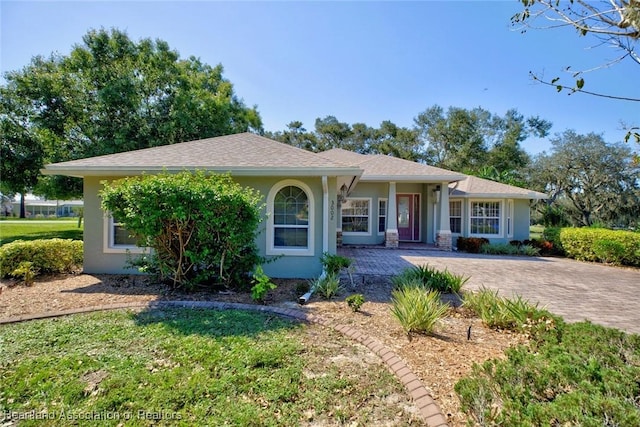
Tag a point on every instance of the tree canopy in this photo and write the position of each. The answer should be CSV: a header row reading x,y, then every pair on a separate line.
x,y
457,139
594,181
110,94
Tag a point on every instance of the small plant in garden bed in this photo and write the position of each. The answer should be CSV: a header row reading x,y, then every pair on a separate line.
x,y
261,285
327,286
417,309
430,278
333,264
515,314
355,301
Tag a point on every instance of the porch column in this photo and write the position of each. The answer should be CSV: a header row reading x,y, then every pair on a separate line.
x,y
443,235
391,237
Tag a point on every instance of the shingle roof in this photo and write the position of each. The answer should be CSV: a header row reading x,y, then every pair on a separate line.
x,y
473,186
243,153
378,167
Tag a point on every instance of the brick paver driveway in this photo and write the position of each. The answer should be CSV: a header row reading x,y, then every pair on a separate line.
x,y
575,290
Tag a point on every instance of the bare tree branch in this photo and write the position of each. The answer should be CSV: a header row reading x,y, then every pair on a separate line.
x,y
560,87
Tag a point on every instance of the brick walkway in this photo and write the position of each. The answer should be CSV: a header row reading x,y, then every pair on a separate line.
x,y
577,291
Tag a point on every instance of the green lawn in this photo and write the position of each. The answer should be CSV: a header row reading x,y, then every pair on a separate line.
x,y
11,230
192,367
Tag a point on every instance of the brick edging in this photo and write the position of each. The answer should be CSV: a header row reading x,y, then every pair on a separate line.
x,y
428,408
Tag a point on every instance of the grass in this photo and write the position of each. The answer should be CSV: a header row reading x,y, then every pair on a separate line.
x,y
189,367
41,229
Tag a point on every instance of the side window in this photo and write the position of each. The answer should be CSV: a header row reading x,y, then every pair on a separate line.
x,y
455,216
382,216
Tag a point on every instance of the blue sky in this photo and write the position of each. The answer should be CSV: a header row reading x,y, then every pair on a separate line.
x,y
359,61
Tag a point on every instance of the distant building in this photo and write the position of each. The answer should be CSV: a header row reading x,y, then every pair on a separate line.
x,y
48,208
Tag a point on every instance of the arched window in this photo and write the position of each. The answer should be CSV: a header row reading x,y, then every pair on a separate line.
x,y
290,224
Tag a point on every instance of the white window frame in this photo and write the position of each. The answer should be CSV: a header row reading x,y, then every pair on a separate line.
x,y
500,218
271,249
108,245
509,218
369,216
381,214
459,201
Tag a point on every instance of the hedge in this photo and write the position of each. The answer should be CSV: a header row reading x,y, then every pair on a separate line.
x,y
45,255
601,245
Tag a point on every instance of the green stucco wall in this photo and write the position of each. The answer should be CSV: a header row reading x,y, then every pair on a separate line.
x,y
96,261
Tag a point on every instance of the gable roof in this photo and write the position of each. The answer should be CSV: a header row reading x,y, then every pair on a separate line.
x,y
243,154
378,167
472,186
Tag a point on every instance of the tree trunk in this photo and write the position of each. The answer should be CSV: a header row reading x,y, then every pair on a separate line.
x,y
22,207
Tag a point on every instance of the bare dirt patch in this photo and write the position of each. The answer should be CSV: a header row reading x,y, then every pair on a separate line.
x,y
439,360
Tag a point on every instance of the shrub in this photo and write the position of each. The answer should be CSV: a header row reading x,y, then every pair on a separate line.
x,y
261,285
552,234
416,309
544,247
601,245
327,286
515,314
202,227
430,278
471,244
45,255
509,249
334,263
355,301
587,375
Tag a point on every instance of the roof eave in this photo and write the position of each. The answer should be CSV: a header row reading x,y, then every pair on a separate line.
x,y
413,178
83,171
530,196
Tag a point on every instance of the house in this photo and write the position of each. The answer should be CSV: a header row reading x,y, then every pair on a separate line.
x,y
35,208
342,198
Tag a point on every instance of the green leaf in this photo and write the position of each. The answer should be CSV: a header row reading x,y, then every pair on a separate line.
x,y
580,83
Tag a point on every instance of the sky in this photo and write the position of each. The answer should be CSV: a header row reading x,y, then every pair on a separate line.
x,y
363,61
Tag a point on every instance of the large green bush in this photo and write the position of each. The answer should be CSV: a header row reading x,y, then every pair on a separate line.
x,y
585,375
601,245
45,256
201,227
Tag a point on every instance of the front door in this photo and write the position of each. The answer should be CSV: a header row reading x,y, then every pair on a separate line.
x,y
408,217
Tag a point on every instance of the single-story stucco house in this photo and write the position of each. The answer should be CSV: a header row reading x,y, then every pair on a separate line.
x,y
340,197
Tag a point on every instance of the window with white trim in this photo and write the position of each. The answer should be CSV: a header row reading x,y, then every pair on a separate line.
x,y
382,216
117,239
290,219
356,216
485,218
455,216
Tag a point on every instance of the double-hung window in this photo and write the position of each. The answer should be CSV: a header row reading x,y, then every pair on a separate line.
x,y
485,218
382,216
356,216
455,216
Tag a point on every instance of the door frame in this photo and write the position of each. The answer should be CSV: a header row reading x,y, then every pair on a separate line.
x,y
416,223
